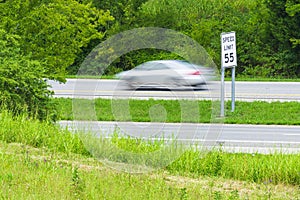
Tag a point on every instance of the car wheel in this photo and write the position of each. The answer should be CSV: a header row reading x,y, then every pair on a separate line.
x,y
175,82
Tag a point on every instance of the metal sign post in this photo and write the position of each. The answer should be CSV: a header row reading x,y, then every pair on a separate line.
x,y
232,89
228,60
222,91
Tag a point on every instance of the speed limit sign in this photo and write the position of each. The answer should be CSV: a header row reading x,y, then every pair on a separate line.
x,y
229,60
228,45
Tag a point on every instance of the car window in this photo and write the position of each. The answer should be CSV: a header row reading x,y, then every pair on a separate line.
x,y
144,67
151,66
160,66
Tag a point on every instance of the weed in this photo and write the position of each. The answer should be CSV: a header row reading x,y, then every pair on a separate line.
x,y
234,195
77,184
183,194
268,192
217,195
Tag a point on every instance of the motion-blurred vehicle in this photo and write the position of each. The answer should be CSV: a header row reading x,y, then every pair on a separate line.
x,y
171,74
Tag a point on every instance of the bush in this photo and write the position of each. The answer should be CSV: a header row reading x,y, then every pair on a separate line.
x,y
22,84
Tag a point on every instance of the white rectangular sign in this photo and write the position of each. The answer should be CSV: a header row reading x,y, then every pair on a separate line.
x,y
228,45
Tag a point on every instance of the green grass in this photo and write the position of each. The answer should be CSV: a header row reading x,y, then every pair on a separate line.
x,y
31,173
276,168
248,167
40,161
38,134
259,112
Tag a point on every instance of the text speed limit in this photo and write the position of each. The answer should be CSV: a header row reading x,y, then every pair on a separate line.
x,y
228,44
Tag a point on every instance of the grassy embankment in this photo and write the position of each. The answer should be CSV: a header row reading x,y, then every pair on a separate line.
x,y
287,113
39,160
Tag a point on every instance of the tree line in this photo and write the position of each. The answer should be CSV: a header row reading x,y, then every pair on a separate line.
x,y
268,31
48,39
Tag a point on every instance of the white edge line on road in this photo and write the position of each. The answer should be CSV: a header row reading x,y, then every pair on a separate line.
x,y
180,124
290,134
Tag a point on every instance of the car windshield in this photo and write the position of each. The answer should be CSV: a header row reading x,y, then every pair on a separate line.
x,y
151,66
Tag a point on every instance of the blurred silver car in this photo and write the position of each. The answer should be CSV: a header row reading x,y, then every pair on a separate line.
x,y
173,74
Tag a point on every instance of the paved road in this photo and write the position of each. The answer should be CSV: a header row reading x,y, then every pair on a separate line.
x,y
234,138
245,91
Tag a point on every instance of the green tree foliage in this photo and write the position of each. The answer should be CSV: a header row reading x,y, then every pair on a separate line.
x,y
293,9
125,12
267,31
22,87
39,39
126,15
205,20
281,29
53,31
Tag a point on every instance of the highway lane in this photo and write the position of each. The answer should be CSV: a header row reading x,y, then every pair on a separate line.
x,y
233,138
245,91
